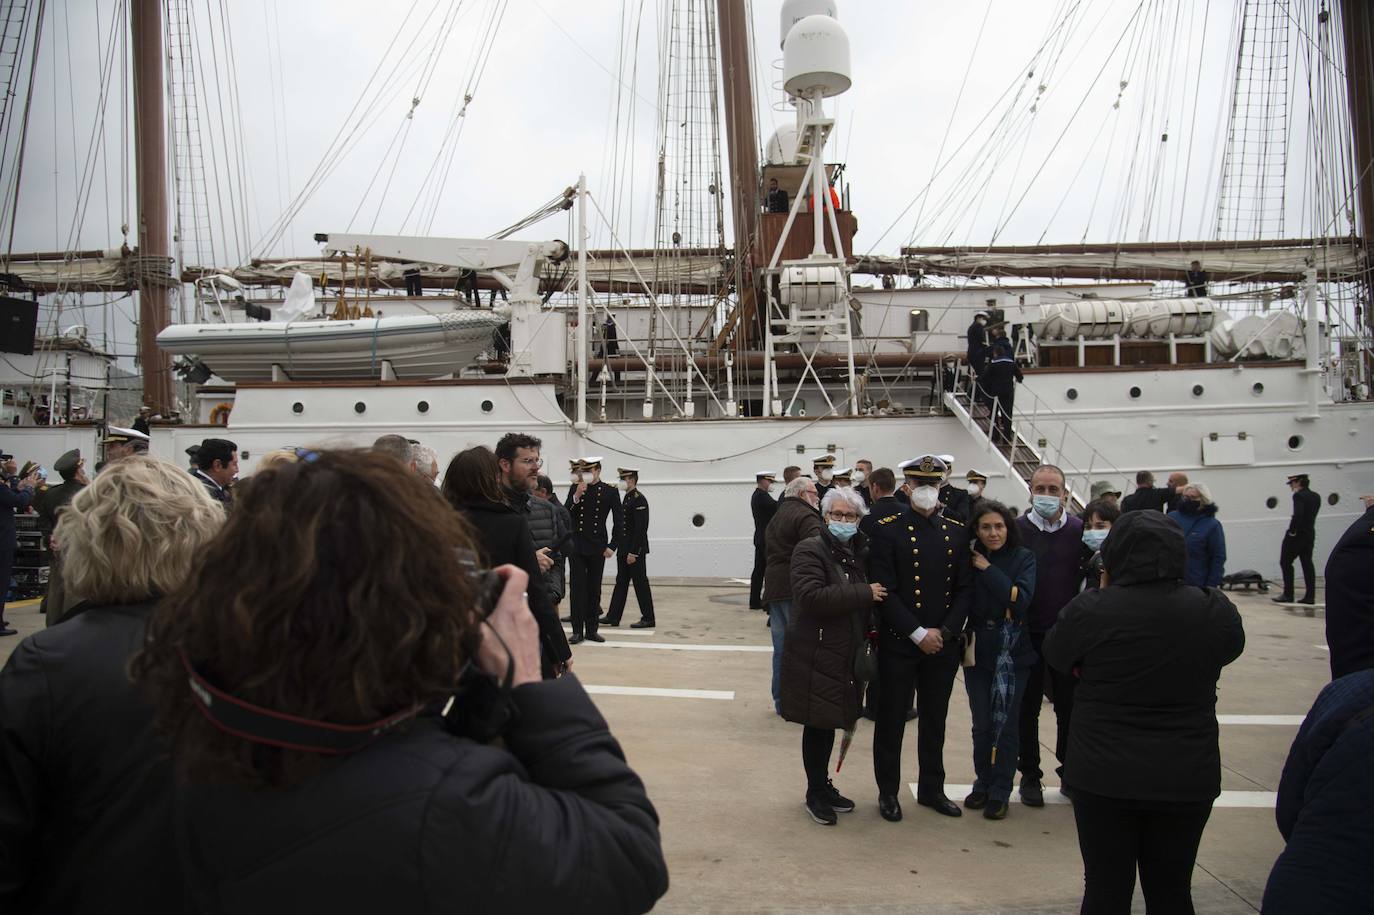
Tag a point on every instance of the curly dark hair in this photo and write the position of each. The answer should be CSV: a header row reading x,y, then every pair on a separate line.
x,y
993,507
512,442
472,476
335,593
1106,511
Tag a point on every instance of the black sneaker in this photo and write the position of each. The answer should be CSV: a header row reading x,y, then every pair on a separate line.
x,y
838,802
818,806
7,629
976,800
1283,599
995,810
1032,792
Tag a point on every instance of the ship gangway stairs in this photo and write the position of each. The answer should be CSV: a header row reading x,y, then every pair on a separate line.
x,y
1038,436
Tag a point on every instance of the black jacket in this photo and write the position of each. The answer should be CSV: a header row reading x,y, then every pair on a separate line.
x,y
636,511
424,821
1148,650
547,529
1350,600
763,507
85,792
924,565
1306,504
504,536
12,496
955,502
1161,500
599,502
1000,377
217,492
50,502
885,507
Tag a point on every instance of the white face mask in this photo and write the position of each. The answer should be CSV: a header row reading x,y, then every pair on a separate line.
x,y
925,498
623,486
826,475
975,488
859,477
579,478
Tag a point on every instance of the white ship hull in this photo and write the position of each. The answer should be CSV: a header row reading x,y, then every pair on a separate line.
x,y
415,346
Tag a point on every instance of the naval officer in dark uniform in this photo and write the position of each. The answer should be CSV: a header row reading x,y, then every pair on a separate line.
x,y
1349,599
823,472
590,502
1299,540
922,558
629,560
954,501
763,507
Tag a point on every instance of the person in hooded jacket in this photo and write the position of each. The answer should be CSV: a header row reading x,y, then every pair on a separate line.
x,y
472,486
86,793
831,616
1003,585
1197,515
1144,765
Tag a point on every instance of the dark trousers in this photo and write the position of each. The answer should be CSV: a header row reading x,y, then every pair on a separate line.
x,y
929,678
1115,836
1061,697
584,590
817,744
6,570
624,575
1005,403
414,284
1298,547
993,773
756,577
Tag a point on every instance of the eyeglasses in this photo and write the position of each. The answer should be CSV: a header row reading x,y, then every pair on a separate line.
x,y
530,462
843,516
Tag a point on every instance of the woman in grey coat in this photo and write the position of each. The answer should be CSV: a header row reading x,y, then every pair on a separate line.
x,y
831,612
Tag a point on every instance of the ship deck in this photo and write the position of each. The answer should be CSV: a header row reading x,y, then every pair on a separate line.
x,y
690,703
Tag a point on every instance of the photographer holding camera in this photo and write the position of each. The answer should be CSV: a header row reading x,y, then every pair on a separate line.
x,y
332,717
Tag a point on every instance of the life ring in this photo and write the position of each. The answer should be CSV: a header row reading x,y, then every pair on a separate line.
x,y
219,416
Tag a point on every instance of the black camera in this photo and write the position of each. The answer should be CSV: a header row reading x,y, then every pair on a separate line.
x,y
482,707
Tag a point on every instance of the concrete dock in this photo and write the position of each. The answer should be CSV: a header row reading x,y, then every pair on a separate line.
x,y
690,703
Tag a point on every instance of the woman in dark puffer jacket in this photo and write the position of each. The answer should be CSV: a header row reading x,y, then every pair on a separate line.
x,y
831,609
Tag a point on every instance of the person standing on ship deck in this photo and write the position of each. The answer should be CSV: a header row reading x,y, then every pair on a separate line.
x,y
591,502
762,506
629,560
1299,540
1197,280
1002,374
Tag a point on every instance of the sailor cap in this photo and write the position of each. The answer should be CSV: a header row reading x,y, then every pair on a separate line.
x,y
765,475
627,471
590,462
827,460
1298,478
947,458
68,462
843,473
976,476
925,469
117,435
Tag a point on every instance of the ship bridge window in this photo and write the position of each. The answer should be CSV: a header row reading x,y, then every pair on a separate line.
x,y
1333,498
1271,503
920,320
1295,442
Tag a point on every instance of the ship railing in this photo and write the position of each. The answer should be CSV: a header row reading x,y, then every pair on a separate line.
x,y
1039,435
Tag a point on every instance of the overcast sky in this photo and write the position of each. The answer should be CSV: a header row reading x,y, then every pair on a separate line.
x,y
1004,108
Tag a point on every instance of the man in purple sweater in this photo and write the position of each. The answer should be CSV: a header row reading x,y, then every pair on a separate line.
x,y
1056,539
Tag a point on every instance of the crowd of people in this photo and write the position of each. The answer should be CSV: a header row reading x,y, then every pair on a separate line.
x,y
264,693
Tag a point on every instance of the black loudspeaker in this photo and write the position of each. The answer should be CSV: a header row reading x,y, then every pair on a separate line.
x,y
18,325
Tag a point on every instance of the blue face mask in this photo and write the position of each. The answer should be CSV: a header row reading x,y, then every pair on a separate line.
x,y
1046,506
1093,539
843,530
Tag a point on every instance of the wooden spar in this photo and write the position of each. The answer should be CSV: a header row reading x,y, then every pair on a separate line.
x,y
736,75
1357,18
150,153
1144,247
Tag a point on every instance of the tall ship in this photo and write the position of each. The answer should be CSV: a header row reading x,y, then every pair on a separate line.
x,y
751,333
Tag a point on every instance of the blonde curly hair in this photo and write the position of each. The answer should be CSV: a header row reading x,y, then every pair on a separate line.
x,y
134,531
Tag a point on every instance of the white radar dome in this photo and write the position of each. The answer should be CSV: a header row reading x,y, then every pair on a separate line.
x,y
815,57
794,11
782,146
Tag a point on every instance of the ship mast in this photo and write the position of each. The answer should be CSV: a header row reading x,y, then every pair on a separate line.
x,y
150,153
744,159
1357,17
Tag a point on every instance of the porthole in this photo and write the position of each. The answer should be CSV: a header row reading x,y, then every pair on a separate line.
x,y
1071,393
1197,390
1135,393
244,455
487,406
422,406
698,520
298,407
1333,498
1271,502
1257,388
1294,442
360,407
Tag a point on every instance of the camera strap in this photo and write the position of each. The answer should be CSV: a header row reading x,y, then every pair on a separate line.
x,y
254,723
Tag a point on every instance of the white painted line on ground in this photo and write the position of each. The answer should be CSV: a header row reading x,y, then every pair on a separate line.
x,y
1233,799
1323,647
723,695
1293,720
676,646
739,581
604,629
